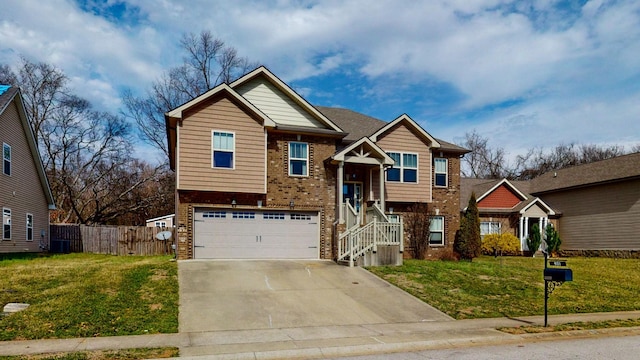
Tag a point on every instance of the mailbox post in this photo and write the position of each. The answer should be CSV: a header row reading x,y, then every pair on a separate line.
x,y
553,277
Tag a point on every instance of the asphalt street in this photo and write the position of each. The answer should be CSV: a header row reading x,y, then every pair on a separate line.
x,y
618,348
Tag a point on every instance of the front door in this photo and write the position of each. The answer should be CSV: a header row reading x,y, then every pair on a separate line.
x,y
352,192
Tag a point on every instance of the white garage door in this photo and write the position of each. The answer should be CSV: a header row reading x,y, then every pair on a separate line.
x,y
250,234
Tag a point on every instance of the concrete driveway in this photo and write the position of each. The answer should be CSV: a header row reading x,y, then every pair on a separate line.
x,y
243,295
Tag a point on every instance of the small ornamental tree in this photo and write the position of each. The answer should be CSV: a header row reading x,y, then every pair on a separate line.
x,y
418,222
534,239
469,244
553,239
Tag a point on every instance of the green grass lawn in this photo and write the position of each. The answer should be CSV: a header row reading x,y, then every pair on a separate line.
x,y
84,295
514,286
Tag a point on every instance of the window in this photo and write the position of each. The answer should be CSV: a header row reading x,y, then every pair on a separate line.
x,y
489,227
300,217
6,159
214,214
243,215
6,224
161,224
436,231
273,216
298,159
393,173
29,227
223,149
405,168
440,171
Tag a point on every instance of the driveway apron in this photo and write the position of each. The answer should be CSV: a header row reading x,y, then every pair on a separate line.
x,y
220,295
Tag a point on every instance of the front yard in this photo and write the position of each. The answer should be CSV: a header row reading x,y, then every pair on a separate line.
x,y
514,286
83,295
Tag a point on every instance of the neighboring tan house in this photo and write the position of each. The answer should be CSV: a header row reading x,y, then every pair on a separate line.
x,y
25,196
261,173
165,221
595,207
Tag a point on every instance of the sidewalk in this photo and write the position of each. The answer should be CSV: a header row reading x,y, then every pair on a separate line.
x,y
327,341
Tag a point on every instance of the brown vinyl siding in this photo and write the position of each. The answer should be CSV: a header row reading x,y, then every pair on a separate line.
x,y
22,191
402,139
603,217
195,169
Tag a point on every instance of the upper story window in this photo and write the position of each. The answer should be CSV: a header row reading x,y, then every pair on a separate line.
x,y
440,171
6,224
224,148
6,159
298,159
405,168
29,227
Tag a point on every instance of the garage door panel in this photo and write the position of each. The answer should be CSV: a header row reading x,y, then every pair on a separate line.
x,y
242,234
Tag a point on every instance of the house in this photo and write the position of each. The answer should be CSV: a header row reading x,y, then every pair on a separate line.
x,y
162,221
507,206
261,173
595,207
25,196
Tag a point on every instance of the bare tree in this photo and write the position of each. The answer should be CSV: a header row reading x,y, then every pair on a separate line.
x,y
418,222
537,161
86,153
483,162
208,62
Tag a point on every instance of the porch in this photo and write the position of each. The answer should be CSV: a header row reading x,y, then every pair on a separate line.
x,y
366,236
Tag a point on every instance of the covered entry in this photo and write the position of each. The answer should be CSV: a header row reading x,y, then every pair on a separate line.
x,y
255,234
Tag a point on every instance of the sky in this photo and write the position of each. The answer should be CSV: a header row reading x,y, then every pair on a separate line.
x,y
523,74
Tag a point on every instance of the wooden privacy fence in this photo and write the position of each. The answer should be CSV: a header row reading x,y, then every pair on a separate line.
x,y
113,240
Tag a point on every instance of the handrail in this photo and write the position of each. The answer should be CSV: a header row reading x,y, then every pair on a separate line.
x,y
377,212
357,241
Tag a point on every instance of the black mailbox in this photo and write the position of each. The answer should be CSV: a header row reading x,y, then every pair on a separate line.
x,y
554,274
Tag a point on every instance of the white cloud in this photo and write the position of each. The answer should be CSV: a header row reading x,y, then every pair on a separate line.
x,y
563,66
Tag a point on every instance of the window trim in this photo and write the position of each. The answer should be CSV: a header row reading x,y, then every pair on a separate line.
x,y
213,150
6,161
437,231
29,227
6,211
446,172
402,167
290,158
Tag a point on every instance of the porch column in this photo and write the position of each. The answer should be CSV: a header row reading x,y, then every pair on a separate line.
x,y
526,227
382,204
521,233
339,191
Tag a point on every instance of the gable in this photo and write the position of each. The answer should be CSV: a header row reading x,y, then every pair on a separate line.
x,y
276,104
410,125
500,198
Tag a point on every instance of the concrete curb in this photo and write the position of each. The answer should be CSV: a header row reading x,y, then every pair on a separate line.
x,y
332,341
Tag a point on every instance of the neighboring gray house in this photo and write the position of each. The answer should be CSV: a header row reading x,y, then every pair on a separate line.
x,y
596,206
600,205
25,196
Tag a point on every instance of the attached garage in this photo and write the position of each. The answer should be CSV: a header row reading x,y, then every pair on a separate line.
x,y
255,234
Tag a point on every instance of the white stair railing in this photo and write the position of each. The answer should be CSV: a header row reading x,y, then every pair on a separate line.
x,y
357,241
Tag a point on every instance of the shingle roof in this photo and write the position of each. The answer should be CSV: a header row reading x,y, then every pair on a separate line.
x,y
481,186
358,125
604,171
6,95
